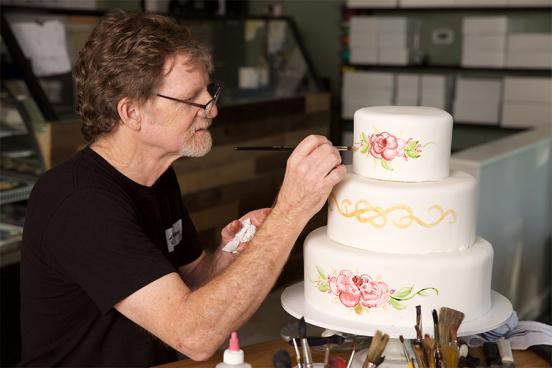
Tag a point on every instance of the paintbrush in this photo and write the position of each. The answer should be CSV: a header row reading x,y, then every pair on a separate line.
x,y
297,354
448,319
420,355
429,347
350,362
418,327
377,346
327,356
307,357
406,355
450,355
282,148
437,348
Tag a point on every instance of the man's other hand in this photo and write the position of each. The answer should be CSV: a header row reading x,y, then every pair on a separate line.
x,y
257,218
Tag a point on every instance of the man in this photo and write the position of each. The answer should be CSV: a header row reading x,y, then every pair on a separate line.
x,y
112,273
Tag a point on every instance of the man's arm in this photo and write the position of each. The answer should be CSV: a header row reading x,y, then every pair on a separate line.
x,y
197,322
207,266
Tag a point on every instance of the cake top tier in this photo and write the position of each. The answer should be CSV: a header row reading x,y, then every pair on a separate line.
x,y
402,143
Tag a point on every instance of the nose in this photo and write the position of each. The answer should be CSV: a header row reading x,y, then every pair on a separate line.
x,y
213,112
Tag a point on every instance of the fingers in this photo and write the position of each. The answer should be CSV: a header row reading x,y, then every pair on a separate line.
x,y
307,146
326,158
230,230
313,169
336,175
257,217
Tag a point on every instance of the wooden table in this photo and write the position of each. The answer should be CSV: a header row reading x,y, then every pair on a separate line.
x,y
260,356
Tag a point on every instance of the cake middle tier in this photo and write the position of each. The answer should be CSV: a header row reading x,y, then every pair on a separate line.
x,y
395,217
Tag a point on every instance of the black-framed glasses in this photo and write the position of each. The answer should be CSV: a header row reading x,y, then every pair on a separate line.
x,y
214,90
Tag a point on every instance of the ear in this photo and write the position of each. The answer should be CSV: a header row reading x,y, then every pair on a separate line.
x,y
130,113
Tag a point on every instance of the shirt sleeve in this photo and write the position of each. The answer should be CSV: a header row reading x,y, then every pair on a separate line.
x,y
96,241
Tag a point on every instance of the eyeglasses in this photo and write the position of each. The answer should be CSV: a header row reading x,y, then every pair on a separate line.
x,y
214,90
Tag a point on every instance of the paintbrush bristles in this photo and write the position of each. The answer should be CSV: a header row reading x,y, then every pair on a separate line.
x,y
377,346
448,319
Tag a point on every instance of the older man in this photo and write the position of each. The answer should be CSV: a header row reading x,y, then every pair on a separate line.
x,y
112,271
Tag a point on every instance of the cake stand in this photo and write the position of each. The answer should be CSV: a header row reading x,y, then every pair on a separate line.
x,y
293,302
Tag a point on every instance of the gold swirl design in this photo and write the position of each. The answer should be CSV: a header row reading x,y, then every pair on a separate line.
x,y
378,217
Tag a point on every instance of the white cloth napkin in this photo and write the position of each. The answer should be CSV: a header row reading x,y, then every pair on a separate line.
x,y
245,234
521,334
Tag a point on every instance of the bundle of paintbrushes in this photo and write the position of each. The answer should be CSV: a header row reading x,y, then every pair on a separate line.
x,y
374,357
442,350
449,322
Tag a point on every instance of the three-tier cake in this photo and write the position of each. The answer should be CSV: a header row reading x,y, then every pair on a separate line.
x,y
401,227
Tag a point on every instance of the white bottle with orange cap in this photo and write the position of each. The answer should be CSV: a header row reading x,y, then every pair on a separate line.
x,y
233,356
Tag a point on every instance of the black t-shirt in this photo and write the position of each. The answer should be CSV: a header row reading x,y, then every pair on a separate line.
x,y
93,237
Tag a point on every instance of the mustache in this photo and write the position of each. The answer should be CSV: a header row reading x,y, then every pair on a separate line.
x,y
203,125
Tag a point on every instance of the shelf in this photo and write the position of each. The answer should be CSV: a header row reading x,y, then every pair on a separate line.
x,y
349,123
14,189
11,133
451,68
10,244
488,8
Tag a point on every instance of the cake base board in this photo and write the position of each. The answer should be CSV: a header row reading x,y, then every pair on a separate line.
x,y
293,302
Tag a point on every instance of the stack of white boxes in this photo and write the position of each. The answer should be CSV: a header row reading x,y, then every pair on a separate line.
x,y
363,40
477,100
381,40
394,40
408,90
435,90
484,41
527,102
362,89
529,50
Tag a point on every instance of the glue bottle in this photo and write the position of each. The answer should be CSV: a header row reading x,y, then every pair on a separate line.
x,y
233,356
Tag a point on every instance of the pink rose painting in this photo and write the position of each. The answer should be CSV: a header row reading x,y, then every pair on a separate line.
x,y
362,292
386,147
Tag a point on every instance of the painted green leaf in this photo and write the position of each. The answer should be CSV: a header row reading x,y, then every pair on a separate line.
x,y
412,154
428,292
363,137
365,148
397,304
386,165
324,287
402,293
322,275
411,145
358,309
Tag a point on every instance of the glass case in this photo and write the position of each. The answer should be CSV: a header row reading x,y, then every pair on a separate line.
x,y
256,58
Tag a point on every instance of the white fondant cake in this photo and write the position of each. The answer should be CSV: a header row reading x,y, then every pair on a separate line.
x,y
385,288
403,241
402,143
395,217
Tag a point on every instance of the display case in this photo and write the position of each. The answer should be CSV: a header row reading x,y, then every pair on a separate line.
x,y
271,96
21,160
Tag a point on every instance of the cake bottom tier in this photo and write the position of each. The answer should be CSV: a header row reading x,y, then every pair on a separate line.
x,y
382,288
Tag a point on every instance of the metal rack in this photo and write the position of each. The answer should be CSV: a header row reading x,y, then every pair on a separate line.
x,y
438,66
